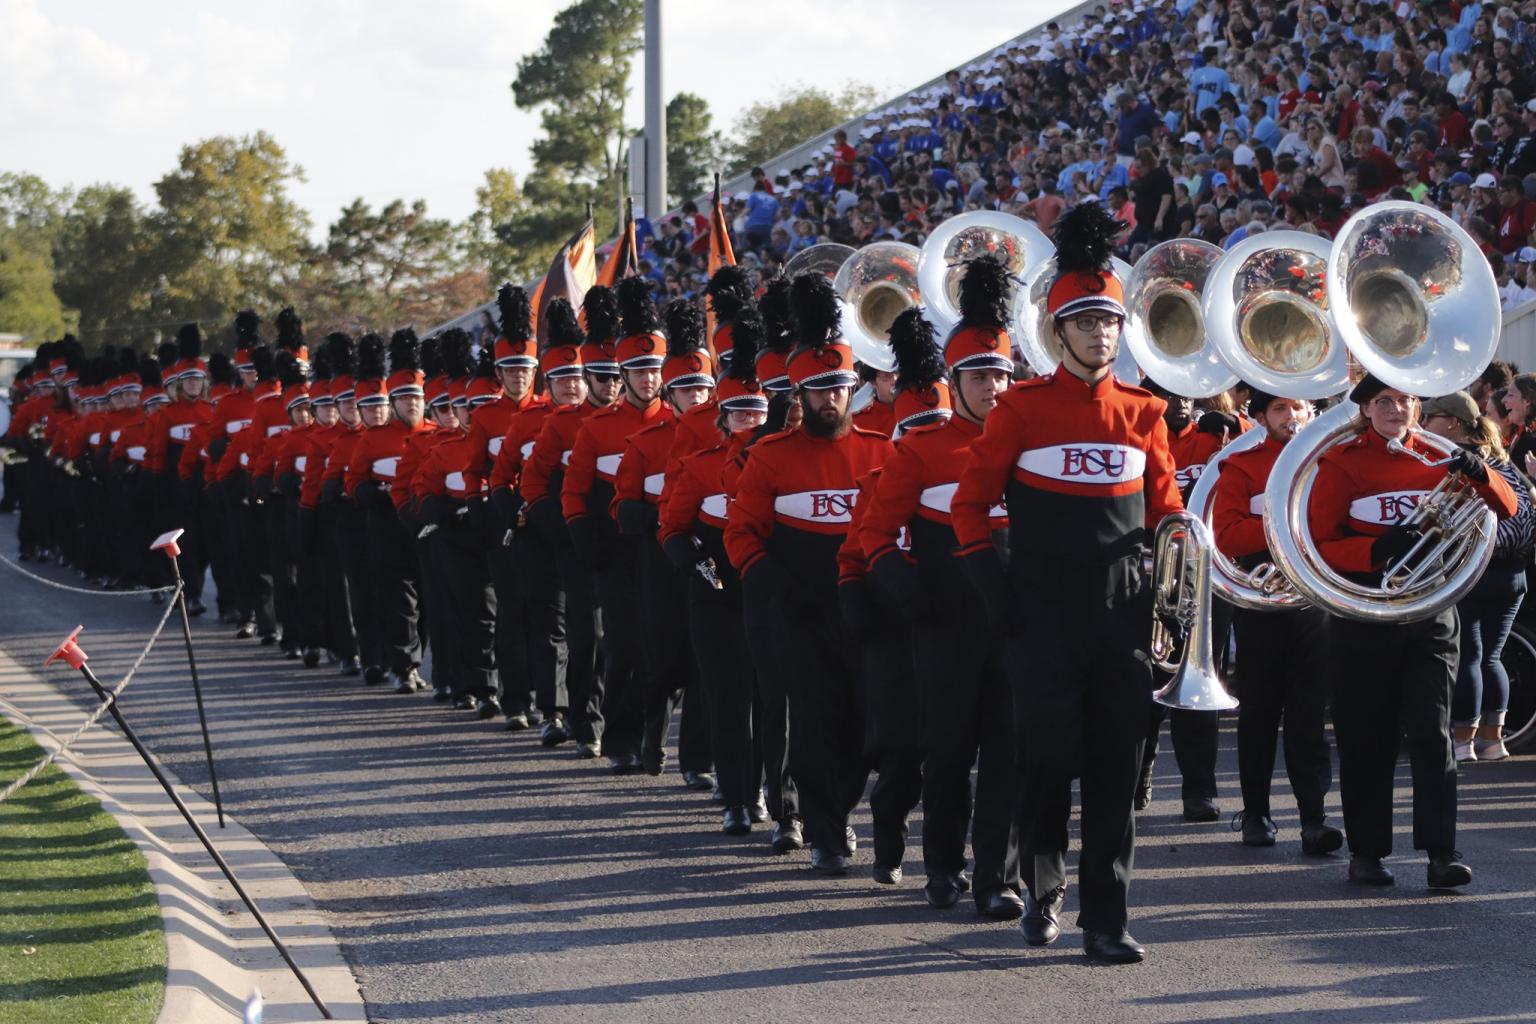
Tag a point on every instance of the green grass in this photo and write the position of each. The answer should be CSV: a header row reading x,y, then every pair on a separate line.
x,y
81,941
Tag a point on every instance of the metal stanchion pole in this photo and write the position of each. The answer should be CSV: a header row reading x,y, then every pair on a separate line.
x,y
70,653
167,542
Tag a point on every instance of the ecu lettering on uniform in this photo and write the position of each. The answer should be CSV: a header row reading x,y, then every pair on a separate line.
x,y
1187,476
939,497
235,426
1085,463
281,428
816,506
181,432
1385,509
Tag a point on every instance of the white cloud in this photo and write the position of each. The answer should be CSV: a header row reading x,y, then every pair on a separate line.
x,y
385,100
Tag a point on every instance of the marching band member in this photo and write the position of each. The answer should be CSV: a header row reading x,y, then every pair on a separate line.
x,y
177,504
1284,677
1395,678
968,706
1084,465
351,599
790,514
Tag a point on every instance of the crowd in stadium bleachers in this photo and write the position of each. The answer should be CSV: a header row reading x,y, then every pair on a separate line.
x,y
1210,119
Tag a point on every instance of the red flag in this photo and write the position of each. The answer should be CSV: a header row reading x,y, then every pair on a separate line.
x,y
570,274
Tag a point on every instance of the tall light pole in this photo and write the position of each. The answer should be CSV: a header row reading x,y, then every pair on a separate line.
x,y
655,117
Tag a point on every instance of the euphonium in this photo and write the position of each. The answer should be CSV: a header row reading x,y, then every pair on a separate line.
x,y
874,286
1418,306
1181,594
1165,324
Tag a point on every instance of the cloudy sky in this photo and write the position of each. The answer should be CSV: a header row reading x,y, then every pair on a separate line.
x,y
388,100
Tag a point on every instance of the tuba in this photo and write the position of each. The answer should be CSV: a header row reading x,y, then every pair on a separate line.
x,y
1417,304
1269,316
942,259
1165,323
875,285
1181,594
1035,333
824,258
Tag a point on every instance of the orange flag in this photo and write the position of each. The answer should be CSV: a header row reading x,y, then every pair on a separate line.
x,y
624,260
720,255
570,274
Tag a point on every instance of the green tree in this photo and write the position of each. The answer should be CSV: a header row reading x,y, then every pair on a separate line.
x,y
552,210
104,267
578,81
227,233
693,147
497,201
380,262
28,304
766,129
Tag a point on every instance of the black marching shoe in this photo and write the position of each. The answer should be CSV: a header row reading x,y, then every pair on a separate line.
x,y
1001,905
245,632
490,707
352,667
654,762
1200,809
942,891
736,822
1257,829
517,720
589,750
758,812
787,836
373,675
1446,871
312,658
1041,922
1144,789
834,865
535,718
1113,948
1319,840
271,639
624,764
887,876
553,732
441,693
699,780
405,684
1369,871
195,607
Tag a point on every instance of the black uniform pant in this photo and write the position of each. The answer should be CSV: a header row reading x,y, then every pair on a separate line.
x,y
625,680
249,544
670,668
362,598
826,752
512,669
340,636
469,618
436,564
539,612
1391,681
397,582
194,542
211,513
968,716
285,568
772,726
732,697
308,629
33,528
1284,682
1082,684
583,681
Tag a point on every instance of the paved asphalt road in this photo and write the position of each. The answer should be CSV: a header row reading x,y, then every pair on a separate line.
x,y
473,876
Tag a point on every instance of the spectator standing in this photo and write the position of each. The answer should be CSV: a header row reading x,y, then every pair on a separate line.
x,y
1154,200
762,211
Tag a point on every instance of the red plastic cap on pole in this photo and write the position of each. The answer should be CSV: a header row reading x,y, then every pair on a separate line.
x,y
167,542
69,652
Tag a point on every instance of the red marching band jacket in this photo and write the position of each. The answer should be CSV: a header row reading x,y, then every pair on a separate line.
x,y
1191,448
1237,505
598,452
1363,489
1085,468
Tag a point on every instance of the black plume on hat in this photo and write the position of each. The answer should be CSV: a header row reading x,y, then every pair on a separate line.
x,y
290,330
564,328
149,372
1085,238
813,308
127,361
778,330
746,339
485,368
685,327
919,364
729,290
165,352
289,372
247,328
220,369
602,309
986,292
432,356
637,307
320,366
189,342
341,352
404,350
455,341
265,363
370,357
516,313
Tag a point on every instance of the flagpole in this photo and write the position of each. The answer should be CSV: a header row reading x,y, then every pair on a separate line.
x,y
655,117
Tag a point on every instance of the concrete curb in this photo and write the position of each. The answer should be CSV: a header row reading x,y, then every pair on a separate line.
x,y
216,953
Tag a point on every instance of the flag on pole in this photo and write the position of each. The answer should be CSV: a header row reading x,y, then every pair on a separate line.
x,y
624,260
720,255
570,274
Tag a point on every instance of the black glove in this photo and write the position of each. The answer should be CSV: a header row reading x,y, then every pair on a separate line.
x,y
1219,423
860,618
637,518
985,569
545,518
897,581
588,545
1469,464
1393,544
767,582
503,510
